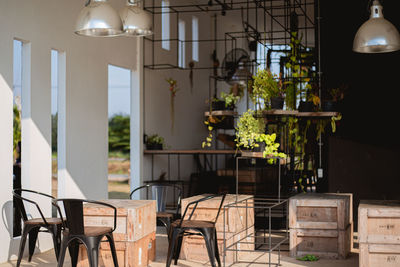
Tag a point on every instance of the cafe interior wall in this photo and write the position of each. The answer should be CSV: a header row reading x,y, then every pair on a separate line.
x,y
44,25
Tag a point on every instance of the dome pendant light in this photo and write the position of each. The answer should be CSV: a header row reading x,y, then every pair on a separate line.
x,y
376,35
136,21
98,19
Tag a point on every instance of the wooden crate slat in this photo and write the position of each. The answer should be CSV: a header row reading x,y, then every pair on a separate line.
x,y
379,222
379,255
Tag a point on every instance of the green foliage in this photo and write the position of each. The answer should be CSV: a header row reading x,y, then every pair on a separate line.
x,y
155,139
54,129
209,138
308,257
16,130
248,129
230,99
119,134
271,148
298,74
265,86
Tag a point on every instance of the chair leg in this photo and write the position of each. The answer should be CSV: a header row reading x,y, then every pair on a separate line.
x,y
216,249
112,247
73,248
93,245
208,238
177,250
63,249
33,234
25,232
172,246
56,234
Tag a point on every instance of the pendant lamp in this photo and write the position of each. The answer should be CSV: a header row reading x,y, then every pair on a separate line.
x,y
98,19
136,21
376,35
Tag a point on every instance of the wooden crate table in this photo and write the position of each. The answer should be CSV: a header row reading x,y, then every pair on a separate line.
x,y
321,224
134,235
379,233
239,225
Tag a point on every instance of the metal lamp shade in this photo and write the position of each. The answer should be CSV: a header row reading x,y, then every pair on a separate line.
x,y
136,21
377,35
98,19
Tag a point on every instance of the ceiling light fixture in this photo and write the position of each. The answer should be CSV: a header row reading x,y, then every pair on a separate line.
x,y
98,19
376,35
136,21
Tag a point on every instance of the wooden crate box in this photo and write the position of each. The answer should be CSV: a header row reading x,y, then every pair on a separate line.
x,y
133,254
236,219
379,255
135,218
194,247
379,222
239,223
331,244
320,211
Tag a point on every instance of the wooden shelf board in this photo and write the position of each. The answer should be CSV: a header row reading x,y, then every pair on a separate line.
x,y
221,113
280,112
318,114
192,151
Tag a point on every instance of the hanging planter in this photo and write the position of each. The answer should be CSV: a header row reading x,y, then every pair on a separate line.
x,y
173,88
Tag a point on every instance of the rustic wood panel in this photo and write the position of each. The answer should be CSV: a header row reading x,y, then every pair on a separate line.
x,y
239,223
379,222
379,255
135,218
320,211
133,254
333,244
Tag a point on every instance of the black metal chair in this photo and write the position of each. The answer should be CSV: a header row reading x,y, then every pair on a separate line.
x,y
184,227
75,232
33,226
162,193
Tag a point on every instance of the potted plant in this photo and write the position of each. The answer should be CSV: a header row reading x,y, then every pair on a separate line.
x,y
154,142
266,88
335,96
250,134
278,96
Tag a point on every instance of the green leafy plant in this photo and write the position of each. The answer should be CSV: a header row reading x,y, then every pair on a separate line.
x,y
230,99
248,129
16,131
207,142
250,132
155,139
265,85
298,79
308,257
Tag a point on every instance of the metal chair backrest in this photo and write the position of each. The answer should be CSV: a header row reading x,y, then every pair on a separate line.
x,y
73,208
19,201
196,202
160,193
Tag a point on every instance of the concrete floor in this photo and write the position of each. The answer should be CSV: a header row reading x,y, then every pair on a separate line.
x,y
47,259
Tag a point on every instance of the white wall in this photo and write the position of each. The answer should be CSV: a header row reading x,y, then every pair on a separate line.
x,y
48,24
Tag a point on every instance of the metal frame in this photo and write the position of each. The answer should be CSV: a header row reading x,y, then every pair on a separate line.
x,y
267,244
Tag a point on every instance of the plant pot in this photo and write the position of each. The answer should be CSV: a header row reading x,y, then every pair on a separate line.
x,y
260,148
306,106
227,122
218,105
154,146
277,102
329,106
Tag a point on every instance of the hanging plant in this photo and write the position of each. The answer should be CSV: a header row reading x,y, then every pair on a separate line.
x,y
173,88
191,66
